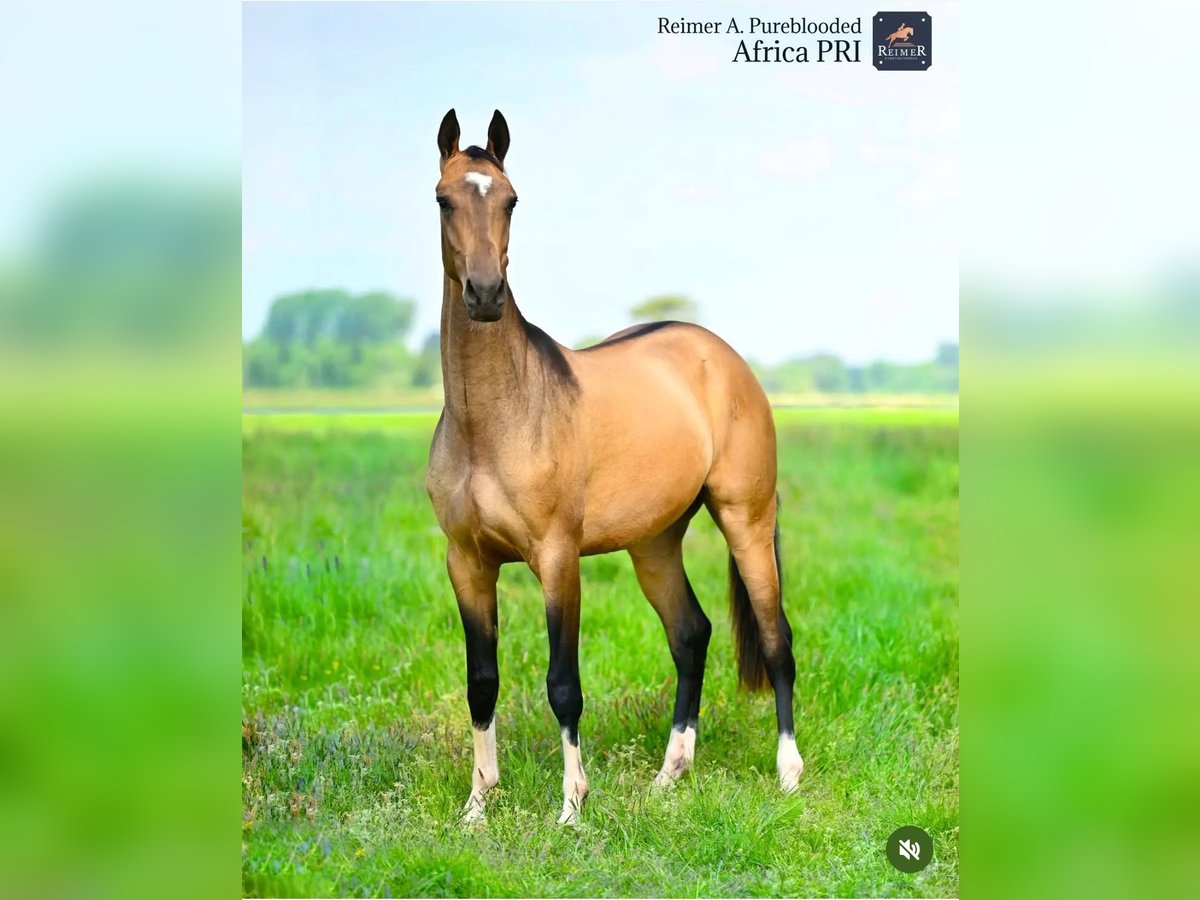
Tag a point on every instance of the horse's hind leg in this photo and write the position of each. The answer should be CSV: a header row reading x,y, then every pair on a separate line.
x,y
659,567
764,636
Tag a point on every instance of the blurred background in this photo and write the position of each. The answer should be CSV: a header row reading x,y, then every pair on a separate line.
x,y
123,372
1081,349
119,470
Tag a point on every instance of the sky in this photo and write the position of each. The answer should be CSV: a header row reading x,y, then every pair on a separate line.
x,y
1082,181
807,206
804,207
124,88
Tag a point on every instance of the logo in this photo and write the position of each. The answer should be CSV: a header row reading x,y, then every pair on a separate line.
x,y
909,848
902,41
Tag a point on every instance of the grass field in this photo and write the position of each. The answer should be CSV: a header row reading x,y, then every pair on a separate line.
x,y
356,737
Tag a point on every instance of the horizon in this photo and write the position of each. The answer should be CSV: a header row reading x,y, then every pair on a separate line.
x,y
414,339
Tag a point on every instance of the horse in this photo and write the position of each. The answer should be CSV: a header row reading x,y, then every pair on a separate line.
x,y
900,34
544,454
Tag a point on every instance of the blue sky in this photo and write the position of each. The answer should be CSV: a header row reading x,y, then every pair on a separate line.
x,y
804,207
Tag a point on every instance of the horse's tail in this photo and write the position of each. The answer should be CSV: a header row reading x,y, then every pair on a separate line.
x,y
752,663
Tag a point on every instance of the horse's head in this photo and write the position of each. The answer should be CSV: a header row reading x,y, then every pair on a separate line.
x,y
477,201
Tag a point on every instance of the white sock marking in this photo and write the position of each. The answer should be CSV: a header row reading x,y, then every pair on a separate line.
x,y
575,785
486,773
681,750
789,763
481,181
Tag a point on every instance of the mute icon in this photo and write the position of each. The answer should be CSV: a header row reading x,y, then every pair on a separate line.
x,y
909,848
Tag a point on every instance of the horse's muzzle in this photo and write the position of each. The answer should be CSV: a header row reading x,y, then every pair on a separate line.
x,y
485,302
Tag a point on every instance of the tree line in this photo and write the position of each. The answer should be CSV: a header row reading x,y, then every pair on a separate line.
x,y
825,373
336,339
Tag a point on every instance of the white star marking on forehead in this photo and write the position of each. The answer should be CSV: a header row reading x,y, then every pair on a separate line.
x,y
481,181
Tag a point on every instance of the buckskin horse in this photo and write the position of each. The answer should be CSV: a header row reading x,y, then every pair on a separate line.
x,y
544,454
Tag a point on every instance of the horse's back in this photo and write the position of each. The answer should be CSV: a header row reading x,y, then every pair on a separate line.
x,y
664,361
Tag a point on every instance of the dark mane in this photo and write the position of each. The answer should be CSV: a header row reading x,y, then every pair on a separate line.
x,y
636,331
479,153
551,355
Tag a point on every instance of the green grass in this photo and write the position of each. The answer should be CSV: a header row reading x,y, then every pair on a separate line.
x,y
356,737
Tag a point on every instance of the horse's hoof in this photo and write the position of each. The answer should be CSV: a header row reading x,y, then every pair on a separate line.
x,y
790,765
472,813
569,817
790,780
570,812
663,780
669,776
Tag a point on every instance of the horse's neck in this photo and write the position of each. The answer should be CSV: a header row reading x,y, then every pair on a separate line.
x,y
485,371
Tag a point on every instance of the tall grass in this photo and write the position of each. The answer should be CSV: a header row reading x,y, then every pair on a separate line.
x,y
356,740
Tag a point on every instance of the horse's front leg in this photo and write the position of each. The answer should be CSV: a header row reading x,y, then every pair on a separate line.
x,y
475,587
557,566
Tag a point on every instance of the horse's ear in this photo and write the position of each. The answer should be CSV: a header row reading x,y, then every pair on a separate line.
x,y
498,137
448,136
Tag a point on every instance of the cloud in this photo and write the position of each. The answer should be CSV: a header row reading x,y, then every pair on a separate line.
x,y
700,192
936,183
680,62
874,151
799,159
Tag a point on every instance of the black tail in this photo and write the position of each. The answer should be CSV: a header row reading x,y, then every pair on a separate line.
x,y
752,663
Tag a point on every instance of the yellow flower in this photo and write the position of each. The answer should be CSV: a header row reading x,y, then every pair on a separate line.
x,y
360,852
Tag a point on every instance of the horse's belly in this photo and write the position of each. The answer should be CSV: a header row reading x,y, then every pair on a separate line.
x,y
650,452
638,504
604,534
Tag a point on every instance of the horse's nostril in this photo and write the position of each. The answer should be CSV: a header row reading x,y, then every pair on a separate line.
x,y
488,292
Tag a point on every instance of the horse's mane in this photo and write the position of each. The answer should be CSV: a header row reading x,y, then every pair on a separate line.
x,y
479,153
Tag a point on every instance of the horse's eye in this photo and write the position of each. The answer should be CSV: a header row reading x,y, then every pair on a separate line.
x,y
512,204
444,203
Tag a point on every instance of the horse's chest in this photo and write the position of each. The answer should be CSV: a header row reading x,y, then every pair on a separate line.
x,y
476,508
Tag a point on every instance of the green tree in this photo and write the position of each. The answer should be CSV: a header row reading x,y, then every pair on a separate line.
x,y
331,338
829,374
428,368
308,317
331,365
667,306
791,377
132,262
266,364
304,317
374,318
